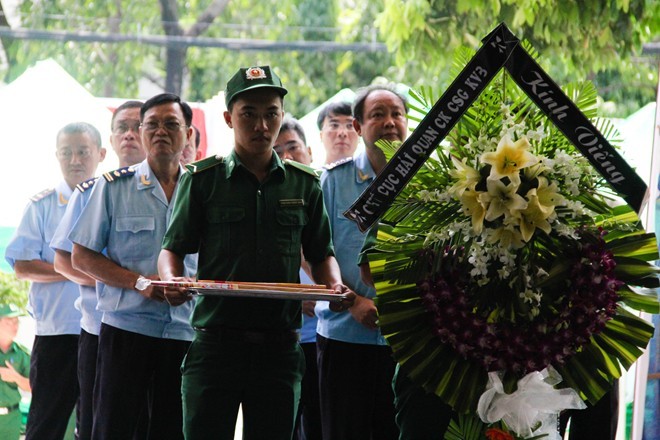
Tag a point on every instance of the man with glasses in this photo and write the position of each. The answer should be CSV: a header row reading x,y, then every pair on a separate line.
x,y
53,370
354,361
126,143
339,138
142,339
291,144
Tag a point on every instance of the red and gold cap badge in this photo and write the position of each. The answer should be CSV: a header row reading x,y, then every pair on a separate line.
x,y
255,73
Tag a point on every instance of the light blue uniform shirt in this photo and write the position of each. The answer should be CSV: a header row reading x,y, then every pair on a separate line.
x,y
50,304
308,329
342,184
86,302
127,218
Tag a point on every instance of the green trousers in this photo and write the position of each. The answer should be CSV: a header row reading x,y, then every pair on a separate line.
x,y
264,378
10,425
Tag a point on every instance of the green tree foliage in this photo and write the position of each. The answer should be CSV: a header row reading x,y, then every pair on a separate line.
x,y
576,39
311,77
13,290
107,69
595,40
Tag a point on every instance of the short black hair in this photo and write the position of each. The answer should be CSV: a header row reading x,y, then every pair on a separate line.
x,y
165,98
364,92
333,108
82,127
124,106
291,123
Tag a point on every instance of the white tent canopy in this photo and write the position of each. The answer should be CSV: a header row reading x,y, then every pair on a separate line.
x,y
34,107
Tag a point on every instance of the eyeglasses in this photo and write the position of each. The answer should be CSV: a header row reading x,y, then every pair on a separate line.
x,y
336,126
171,126
67,154
291,148
122,128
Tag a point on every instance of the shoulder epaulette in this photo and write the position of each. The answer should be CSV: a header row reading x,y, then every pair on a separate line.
x,y
337,163
205,164
87,184
119,173
302,167
42,194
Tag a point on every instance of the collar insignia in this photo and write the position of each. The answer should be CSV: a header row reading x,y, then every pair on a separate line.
x,y
362,176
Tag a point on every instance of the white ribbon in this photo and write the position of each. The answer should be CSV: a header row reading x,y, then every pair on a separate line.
x,y
533,408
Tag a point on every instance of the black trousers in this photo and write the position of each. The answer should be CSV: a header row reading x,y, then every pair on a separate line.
x,y
355,385
597,421
308,423
131,369
54,382
87,348
419,415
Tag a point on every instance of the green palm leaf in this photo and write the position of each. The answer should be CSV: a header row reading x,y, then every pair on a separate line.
x,y
428,219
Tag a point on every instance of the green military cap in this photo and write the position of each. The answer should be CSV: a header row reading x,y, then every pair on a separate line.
x,y
248,78
9,311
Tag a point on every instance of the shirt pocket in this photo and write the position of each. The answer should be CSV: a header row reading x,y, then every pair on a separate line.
x,y
135,236
225,228
290,221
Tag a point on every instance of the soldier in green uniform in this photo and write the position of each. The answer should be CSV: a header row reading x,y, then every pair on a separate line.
x,y
248,215
14,373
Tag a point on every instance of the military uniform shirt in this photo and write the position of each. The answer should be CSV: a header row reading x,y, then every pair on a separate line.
x,y
19,358
245,230
126,218
342,185
50,304
86,302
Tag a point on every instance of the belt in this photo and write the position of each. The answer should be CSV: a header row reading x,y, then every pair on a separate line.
x,y
4,410
225,334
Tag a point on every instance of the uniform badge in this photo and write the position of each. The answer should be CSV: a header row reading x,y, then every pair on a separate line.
x,y
291,203
255,73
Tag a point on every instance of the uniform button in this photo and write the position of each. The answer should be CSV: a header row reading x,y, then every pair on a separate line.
x,y
259,192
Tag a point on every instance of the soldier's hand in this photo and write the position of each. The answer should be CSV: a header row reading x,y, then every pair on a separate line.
x,y
8,374
308,308
346,302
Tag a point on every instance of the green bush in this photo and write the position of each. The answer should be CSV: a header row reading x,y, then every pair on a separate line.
x,y
13,290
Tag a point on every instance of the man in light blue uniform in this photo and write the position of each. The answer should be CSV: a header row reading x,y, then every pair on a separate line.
x,y
53,370
355,363
143,339
291,144
125,141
